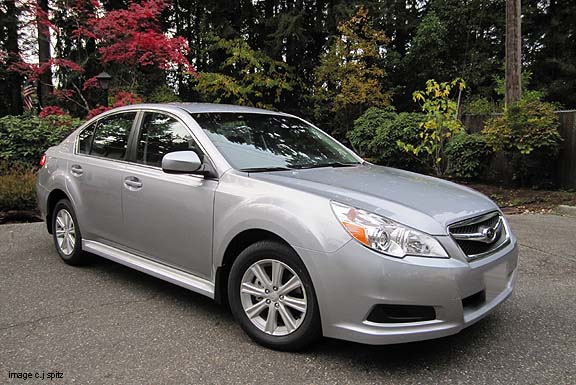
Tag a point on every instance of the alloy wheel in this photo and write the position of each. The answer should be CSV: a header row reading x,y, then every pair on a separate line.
x,y
65,232
273,297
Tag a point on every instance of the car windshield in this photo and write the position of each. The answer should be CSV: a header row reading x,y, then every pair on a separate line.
x,y
268,142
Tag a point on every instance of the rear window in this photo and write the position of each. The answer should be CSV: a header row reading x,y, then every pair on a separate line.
x,y
111,136
85,139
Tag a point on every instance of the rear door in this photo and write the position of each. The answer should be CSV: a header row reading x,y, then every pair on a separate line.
x,y
95,177
167,217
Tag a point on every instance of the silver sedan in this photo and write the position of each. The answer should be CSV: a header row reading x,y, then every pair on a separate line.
x,y
266,213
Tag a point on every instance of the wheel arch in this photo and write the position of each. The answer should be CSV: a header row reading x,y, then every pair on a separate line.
x,y
54,197
236,245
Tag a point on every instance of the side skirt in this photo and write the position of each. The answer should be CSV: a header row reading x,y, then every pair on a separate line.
x,y
158,270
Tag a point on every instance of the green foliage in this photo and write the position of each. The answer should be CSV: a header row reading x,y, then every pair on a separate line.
x,y
468,155
439,39
528,135
441,122
17,188
526,126
163,94
428,51
481,106
24,138
246,76
549,30
350,75
377,131
500,81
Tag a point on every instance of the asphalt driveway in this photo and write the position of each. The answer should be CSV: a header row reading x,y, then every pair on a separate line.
x,y
105,323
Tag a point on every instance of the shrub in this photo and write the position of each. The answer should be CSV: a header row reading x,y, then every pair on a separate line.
x,y
120,98
17,188
528,135
51,111
24,138
440,125
125,98
376,134
365,128
467,155
97,111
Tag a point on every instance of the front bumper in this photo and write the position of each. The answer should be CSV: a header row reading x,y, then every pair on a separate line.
x,y
354,279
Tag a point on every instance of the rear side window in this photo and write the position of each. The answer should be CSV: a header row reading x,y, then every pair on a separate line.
x,y
161,134
85,139
111,136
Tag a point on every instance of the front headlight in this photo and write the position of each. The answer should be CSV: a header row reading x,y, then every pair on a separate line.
x,y
386,236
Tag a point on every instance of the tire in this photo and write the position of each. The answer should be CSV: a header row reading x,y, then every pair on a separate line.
x,y
66,233
289,297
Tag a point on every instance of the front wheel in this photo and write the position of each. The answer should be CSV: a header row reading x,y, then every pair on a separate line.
x,y
272,297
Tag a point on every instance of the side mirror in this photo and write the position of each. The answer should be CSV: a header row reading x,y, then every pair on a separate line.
x,y
181,162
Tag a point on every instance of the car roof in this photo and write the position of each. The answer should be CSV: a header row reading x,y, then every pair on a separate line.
x,y
213,107
201,108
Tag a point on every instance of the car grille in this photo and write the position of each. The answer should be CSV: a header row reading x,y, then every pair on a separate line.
x,y
480,236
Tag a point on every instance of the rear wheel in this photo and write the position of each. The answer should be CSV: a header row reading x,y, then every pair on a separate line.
x,y
66,234
272,297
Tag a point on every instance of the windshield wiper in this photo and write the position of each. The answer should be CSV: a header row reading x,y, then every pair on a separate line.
x,y
264,169
329,164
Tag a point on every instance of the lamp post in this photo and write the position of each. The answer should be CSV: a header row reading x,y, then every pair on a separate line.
x,y
104,81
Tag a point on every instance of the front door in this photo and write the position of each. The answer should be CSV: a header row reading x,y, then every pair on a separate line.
x,y
168,217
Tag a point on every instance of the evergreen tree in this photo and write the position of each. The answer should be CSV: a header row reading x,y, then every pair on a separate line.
x,y
10,98
351,75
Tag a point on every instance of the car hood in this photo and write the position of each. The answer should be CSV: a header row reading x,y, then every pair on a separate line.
x,y
422,202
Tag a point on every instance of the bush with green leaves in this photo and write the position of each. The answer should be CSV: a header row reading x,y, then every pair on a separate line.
x,y
528,135
468,155
376,134
17,188
441,123
24,138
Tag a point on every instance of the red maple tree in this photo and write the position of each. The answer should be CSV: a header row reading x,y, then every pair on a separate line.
x,y
133,36
126,38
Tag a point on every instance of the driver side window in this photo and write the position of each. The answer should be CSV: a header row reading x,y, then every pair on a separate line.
x,y
159,135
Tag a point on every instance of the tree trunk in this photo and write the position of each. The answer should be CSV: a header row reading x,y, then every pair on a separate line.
x,y
513,52
13,79
44,55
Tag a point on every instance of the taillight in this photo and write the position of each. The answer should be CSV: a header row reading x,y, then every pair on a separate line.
x,y
43,160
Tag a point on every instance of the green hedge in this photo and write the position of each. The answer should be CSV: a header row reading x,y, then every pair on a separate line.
x,y
24,138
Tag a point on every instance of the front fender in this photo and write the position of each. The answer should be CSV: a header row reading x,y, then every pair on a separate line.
x,y
302,219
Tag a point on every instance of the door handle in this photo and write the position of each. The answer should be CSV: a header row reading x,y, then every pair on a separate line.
x,y
76,170
132,183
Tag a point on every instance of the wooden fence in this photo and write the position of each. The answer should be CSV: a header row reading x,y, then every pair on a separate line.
x,y
566,163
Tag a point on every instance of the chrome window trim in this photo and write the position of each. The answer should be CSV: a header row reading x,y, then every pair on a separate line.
x,y
136,130
96,121
197,176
